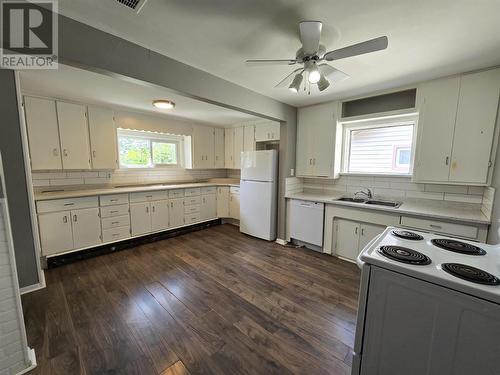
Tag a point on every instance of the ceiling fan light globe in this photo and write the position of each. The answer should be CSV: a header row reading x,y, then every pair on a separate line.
x,y
297,81
323,83
314,76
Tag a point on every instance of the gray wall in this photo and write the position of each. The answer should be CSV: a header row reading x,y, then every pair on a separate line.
x,y
15,181
494,232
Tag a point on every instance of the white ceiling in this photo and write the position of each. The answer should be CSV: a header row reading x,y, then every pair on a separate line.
x,y
427,38
93,88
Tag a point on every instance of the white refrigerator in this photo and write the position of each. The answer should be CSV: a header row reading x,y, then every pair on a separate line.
x,y
258,193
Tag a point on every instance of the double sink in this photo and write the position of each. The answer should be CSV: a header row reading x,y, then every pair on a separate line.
x,y
372,202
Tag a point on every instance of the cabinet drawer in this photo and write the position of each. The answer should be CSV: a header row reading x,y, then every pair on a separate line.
x,y
115,234
112,211
114,222
461,230
192,200
147,196
192,218
208,190
66,204
109,200
192,209
192,192
176,193
234,189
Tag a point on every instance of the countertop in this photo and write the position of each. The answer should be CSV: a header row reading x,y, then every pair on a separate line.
x,y
41,195
454,211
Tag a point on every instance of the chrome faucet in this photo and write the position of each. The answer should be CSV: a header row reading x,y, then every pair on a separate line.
x,y
368,193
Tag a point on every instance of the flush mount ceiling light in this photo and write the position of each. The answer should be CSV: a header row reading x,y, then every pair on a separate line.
x,y
164,104
295,85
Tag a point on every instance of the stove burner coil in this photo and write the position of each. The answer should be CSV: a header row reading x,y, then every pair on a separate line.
x,y
404,255
471,274
407,235
457,246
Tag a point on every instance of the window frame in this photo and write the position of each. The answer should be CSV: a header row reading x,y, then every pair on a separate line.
x,y
153,137
384,122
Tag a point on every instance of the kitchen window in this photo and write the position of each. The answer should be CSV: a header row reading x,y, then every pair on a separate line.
x,y
383,146
141,149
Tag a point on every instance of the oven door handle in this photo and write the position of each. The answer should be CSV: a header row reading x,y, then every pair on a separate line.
x,y
359,262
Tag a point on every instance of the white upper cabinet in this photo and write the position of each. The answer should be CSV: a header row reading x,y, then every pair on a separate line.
x,y
475,127
102,138
229,148
237,147
456,128
249,138
219,148
203,147
269,131
43,133
316,131
74,135
438,107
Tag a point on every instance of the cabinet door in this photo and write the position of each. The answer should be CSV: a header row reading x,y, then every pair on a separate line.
x,y
269,131
322,145
102,133
159,215
346,238
438,107
140,218
203,147
208,207
86,227
249,138
176,212
229,148
475,127
274,130
43,133
73,130
219,148
367,233
238,147
304,135
234,206
55,232
223,201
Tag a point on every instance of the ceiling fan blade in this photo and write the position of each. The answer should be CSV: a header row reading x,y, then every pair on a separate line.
x,y
333,75
270,62
371,45
310,34
285,82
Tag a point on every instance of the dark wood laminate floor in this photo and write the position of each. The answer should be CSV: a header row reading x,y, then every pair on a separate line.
x,y
212,301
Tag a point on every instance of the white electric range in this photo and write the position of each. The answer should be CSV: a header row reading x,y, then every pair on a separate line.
x,y
429,304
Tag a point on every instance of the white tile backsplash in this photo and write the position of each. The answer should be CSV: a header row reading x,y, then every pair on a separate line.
x,y
395,187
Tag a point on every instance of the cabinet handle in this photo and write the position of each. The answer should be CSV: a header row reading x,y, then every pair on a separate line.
x,y
55,152
93,153
362,231
149,196
68,204
113,212
435,226
113,200
172,204
115,222
75,218
65,152
153,208
356,230
65,219
447,160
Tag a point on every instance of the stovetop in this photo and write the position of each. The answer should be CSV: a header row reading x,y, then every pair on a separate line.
x,y
472,257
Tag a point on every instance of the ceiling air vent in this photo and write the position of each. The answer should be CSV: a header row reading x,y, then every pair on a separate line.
x,y
133,4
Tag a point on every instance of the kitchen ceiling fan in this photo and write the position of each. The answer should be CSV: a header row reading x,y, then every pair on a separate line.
x,y
312,57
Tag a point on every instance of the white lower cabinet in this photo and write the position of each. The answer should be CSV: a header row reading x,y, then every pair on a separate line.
x,y
223,201
176,212
159,215
350,237
55,232
68,230
208,207
234,205
140,218
86,227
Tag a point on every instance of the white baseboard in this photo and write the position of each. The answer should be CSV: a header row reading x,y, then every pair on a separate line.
x,y
32,361
32,288
281,242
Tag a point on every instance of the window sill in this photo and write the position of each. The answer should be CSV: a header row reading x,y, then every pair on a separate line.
x,y
354,174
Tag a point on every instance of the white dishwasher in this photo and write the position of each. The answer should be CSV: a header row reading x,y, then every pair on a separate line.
x,y
306,221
